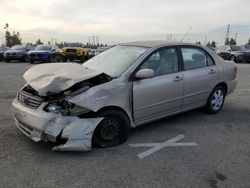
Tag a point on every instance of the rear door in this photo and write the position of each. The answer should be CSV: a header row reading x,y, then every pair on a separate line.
x,y
161,95
200,75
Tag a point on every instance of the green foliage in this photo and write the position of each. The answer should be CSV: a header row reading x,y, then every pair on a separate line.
x,y
12,39
248,42
39,42
211,44
230,42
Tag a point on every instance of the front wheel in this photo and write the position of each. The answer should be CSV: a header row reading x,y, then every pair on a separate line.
x,y
113,130
216,100
233,58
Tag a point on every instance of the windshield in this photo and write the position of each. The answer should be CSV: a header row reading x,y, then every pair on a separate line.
x,y
238,48
43,47
18,47
115,60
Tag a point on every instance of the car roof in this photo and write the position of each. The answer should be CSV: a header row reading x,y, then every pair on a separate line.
x,y
156,43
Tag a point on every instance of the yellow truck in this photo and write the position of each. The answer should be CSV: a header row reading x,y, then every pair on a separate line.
x,y
74,51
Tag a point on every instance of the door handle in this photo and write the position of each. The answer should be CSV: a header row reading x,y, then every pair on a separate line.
x,y
212,71
177,78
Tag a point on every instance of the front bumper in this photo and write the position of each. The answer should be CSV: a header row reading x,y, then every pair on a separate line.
x,y
72,56
39,58
14,57
39,125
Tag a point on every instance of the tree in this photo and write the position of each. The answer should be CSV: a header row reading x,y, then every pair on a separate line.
x,y
11,39
16,39
248,41
213,44
39,42
232,42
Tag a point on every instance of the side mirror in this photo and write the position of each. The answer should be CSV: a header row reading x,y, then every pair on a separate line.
x,y
145,73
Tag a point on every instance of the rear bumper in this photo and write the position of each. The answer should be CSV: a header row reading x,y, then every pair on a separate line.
x,y
231,86
42,126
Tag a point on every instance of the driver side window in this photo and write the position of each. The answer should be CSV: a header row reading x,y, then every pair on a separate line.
x,y
163,61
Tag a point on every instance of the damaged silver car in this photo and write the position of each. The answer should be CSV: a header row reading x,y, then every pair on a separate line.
x,y
95,104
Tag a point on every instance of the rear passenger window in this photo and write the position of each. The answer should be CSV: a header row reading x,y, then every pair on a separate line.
x,y
195,58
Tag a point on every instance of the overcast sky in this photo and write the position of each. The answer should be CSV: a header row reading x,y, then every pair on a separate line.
x,y
117,21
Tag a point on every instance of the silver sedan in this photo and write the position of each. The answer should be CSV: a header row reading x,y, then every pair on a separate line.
x,y
95,104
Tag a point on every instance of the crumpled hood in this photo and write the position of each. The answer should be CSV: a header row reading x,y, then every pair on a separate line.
x,y
49,79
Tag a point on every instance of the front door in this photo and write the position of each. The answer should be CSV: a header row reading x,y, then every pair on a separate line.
x,y
161,95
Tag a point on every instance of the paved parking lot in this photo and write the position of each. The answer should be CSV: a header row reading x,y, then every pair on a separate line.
x,y
221,157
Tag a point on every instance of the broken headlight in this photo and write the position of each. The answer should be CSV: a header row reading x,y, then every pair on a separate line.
x,y
65,108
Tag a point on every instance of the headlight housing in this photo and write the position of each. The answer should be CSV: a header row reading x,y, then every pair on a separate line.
x,y
65,108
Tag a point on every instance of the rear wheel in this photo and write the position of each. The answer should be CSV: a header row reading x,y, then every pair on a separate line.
x,y
216,100
112,130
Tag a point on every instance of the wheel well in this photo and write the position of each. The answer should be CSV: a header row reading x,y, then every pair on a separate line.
x,y
224,85
109,108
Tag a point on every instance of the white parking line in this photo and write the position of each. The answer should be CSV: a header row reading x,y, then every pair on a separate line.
x,y
159,146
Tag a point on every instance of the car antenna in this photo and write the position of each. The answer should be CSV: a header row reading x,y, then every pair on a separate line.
x,y
186,33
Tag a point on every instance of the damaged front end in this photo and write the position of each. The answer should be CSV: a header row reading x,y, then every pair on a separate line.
x,y
51,117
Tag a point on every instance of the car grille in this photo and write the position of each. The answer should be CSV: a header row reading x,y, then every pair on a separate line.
x,y
71,50
29,99
36,55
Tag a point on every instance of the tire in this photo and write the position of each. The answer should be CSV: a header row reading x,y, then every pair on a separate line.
x,y
26,59
6,60
113,130
59,60
82,60
64,60
233,58
215,100
50,60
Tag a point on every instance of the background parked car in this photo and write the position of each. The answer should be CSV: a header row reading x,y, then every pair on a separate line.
x,y
247,46
17,52
234,53
2,50
45,53
74,51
